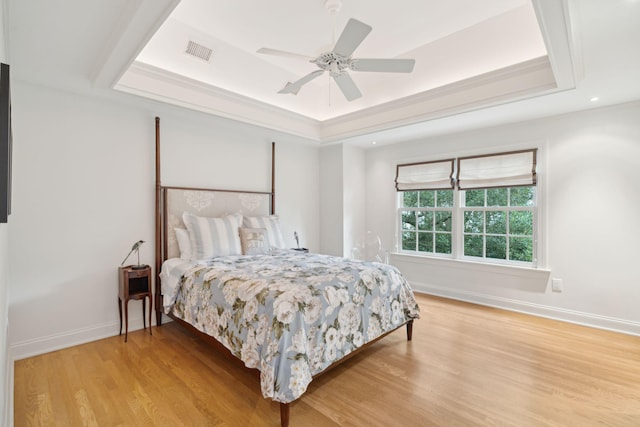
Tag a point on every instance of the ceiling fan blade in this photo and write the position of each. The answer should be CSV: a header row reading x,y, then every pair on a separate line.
x,y
351,37
347,86
276,52
384,65
295,86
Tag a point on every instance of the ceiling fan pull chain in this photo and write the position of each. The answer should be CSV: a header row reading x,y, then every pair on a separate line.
x,y
330,91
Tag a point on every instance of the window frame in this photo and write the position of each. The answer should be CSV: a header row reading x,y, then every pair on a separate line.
x,y
457,222
433,209
460,237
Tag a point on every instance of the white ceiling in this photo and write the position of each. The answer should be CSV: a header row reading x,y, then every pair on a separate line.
x,y
448,46
477,63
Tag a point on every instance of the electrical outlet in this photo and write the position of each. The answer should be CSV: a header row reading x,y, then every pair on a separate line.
x,y
556,285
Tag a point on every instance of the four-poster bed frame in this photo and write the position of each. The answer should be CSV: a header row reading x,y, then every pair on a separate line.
x,y
161,255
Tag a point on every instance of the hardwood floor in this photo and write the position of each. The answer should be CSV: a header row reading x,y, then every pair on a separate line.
x,y
466,366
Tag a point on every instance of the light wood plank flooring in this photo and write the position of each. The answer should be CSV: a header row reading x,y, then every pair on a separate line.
x,y
466,366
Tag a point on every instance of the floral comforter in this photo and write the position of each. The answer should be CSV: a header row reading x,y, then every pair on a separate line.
x,y
290,314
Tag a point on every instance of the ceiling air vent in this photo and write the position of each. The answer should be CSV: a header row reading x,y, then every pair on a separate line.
x,y
199,51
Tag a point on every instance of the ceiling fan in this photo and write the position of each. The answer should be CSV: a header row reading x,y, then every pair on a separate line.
x,y
339,60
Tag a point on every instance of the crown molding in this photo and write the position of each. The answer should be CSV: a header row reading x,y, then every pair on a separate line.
x,y
159,84
507,84
139,20
533,77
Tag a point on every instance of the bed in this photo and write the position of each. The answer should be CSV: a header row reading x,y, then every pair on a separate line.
x,y
225,273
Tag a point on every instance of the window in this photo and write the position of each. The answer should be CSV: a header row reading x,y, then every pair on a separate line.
x,y
498,223
488,213
426,221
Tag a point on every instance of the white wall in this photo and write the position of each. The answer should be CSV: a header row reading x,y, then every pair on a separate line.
x,y
342,169
84,192
331,196
5,365
590,182
353,168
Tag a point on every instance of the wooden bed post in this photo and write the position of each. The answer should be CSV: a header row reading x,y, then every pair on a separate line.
x,y
158,264
284,415
273,178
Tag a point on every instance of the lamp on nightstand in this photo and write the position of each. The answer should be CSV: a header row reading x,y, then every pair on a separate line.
x,y
136,248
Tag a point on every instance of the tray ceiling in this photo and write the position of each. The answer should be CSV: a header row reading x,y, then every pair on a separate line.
x,y
467,53
503,62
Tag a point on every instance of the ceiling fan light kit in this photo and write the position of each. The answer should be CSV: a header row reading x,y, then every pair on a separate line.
x,y
339,60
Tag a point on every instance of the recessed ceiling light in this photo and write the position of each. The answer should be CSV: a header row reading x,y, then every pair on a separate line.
x,y
595,99
373,142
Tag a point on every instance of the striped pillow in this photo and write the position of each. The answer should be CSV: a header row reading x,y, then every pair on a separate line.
x,y
184,244
211,237
272,225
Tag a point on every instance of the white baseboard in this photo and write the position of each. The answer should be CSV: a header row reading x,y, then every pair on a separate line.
x,y
50,343
8,416
577,317
41,345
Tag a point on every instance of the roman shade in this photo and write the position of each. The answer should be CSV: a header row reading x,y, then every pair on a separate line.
x,y
511,169
434,175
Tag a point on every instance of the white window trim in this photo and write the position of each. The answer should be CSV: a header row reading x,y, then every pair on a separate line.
x,y
434,209
460,237
473,266
539,233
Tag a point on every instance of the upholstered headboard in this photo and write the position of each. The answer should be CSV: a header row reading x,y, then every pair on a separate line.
x,y
206,203
171,202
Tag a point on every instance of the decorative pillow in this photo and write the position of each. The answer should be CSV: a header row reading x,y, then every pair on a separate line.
x,y
254,241
184,244
272,225
211,237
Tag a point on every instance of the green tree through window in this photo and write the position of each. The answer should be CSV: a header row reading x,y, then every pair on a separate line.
x,y
495,224
427,221
498,223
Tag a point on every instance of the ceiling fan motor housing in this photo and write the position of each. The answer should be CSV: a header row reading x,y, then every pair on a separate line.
x,y
333,62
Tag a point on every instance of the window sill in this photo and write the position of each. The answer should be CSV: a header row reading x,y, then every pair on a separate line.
x,y
507,270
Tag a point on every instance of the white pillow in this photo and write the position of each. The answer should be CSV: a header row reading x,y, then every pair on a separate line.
x,y
211,237
184,244
254,241
272,225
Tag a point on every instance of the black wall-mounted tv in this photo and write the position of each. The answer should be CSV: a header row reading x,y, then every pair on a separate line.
x,y
5,144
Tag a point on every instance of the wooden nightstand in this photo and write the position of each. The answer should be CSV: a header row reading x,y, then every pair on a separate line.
x,y
135,283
